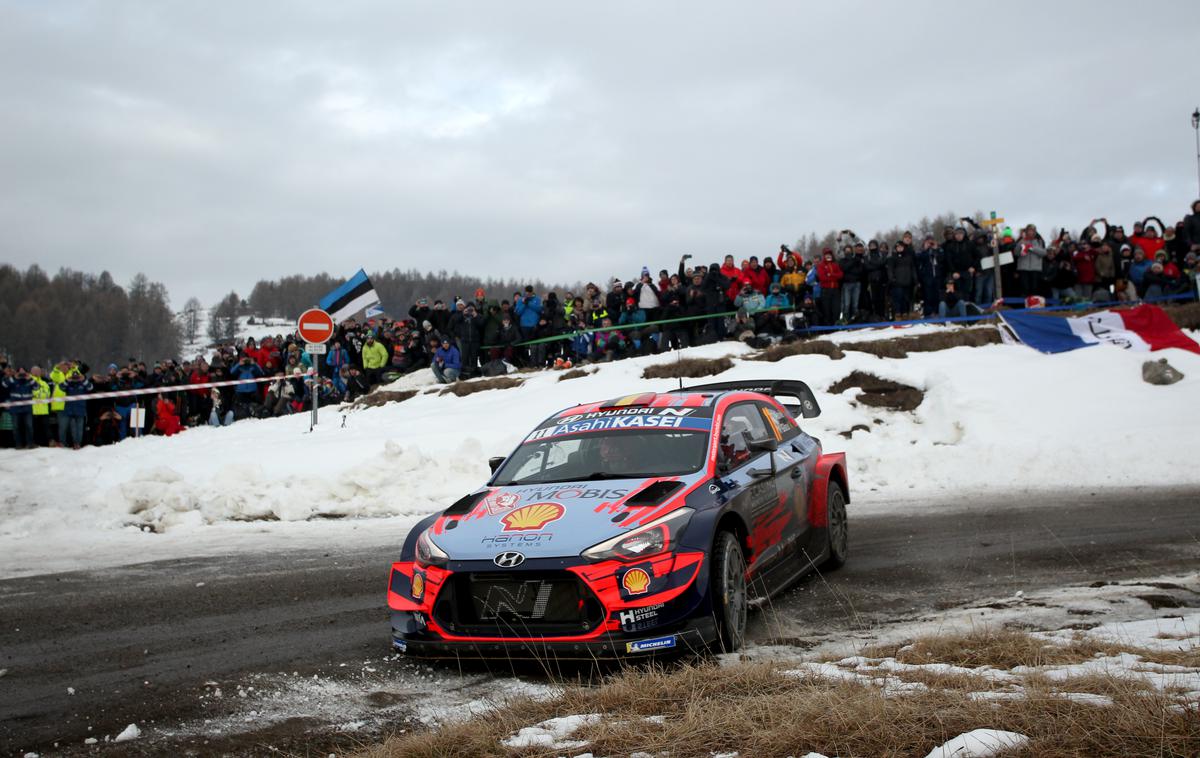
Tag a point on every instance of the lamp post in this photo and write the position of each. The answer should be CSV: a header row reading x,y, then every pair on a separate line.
x,y
1196,128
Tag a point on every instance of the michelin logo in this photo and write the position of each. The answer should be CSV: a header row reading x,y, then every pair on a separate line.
x,y
645,646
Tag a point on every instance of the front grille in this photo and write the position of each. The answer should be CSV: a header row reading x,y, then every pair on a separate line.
x,y
517,604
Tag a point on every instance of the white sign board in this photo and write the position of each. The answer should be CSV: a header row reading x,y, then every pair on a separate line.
x,y
314,348
986,263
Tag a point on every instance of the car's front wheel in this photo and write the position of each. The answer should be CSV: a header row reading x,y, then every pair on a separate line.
x,y
728,588
838,528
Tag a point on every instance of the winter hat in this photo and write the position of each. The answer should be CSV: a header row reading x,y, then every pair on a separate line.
x,y
425,324
479,293
645,271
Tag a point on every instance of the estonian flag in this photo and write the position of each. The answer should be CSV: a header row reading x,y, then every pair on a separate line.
x,y
352,297
1144,328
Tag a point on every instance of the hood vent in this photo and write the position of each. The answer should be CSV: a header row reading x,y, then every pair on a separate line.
x,y
463,505
653,494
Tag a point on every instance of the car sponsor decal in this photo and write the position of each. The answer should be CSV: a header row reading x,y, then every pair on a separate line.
x,y
636,581
645,646
624,421
564,492
531,518
500,502
638,619
507,540
400,645
418,585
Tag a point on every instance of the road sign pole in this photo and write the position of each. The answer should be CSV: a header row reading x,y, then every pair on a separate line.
x,y
316,394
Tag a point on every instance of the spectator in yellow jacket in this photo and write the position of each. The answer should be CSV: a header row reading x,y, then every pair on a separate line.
x,y
374,358
41,411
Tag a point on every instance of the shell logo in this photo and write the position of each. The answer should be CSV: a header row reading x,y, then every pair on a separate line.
x,y
635,581
418,585
532,517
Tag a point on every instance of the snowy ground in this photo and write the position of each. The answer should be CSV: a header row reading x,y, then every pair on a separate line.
x,y
998,418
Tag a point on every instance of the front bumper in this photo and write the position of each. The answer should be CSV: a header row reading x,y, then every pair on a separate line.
x,y
693,637
657,606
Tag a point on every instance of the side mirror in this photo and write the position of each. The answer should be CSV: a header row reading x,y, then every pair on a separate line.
x,y
766,445
495,463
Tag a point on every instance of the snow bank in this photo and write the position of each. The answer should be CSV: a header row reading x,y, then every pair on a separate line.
x,y
993,418
979,743
552,733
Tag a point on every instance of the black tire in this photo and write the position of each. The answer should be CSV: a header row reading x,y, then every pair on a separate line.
x,y
838,530
727,584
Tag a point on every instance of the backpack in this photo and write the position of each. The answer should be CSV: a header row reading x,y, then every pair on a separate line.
x,y
495,368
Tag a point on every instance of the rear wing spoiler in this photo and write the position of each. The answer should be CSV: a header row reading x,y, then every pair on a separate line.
x,y
792,394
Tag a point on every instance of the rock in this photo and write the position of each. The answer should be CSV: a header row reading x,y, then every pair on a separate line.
x,y
1160,372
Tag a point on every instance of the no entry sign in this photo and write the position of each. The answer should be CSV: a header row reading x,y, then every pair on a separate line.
x,y
315,325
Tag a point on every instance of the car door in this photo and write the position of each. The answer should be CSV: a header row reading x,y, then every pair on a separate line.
x,y
748,479
795,464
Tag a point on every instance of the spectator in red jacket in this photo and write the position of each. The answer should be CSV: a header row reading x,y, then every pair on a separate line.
x,y
259,355
785,254
734,275
829,276
759,277
1084,259
1149,241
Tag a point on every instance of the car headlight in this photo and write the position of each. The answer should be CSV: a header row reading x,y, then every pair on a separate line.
x,y
428,553
659,536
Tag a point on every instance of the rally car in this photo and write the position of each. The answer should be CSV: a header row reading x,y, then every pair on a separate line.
x,y
645,524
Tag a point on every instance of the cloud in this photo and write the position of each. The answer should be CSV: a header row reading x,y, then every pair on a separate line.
x,y
212,147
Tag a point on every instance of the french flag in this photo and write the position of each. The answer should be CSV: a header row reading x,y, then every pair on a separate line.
x,y
1142,328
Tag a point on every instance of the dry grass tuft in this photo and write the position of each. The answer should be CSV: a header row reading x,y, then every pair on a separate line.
x,y
880,393
756,709
1185,316
688,368
900,347
470,387
783,350
574,373
382,397
999,648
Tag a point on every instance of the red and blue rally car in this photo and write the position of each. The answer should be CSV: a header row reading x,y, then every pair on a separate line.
x,y
647,523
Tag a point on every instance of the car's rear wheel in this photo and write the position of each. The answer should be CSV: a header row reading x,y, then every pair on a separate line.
x,y
838,528
728,587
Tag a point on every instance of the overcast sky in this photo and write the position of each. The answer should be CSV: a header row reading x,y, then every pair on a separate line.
x,y
210,144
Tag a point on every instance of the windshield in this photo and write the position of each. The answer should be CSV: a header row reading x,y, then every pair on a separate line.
x,y
616,455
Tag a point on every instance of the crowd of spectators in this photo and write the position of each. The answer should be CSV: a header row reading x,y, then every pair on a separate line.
x,y
853,281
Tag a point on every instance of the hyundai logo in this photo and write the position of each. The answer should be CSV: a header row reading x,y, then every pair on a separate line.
x,y
509,560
